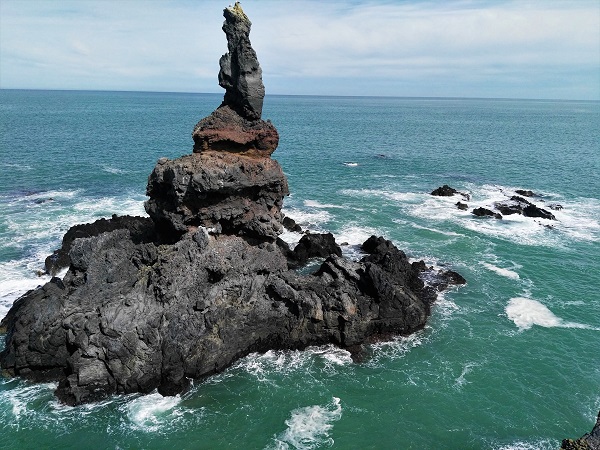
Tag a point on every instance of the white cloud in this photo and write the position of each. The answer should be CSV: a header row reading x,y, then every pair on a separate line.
x,y
470,48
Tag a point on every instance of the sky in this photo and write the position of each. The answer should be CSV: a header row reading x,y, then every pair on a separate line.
x,y
539,49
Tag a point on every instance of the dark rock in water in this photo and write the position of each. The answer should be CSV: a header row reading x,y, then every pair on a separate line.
x,y
291,225
447,191
534,211
555,206
484,212
462,206
133,317
589,441
526,193
444,191
141,228
240,194
236,126
519,205
315,245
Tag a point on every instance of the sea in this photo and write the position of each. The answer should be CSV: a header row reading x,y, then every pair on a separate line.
x,y
511,360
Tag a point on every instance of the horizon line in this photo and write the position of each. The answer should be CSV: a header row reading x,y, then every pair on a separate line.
x,y
309,95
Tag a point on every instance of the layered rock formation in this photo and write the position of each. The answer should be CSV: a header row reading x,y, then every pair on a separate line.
x,y
150,303
236,126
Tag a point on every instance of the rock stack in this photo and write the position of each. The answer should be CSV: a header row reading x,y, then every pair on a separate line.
x,y
151,303
229,183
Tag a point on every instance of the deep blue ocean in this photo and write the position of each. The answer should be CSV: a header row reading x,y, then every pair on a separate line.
x,y
509,361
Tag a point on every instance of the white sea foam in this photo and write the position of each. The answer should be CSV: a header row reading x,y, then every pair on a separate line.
x,y
309,427
390,195
316,204
579,219
525,313
149,412
502,271
435,230
396,348
113,170
542,444
351,164
262,366
20,398
311,219
467,369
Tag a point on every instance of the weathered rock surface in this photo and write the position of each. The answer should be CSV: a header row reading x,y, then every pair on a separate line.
x,y
226,130
519,205
236,126
447,191
233,194
136,316
138,226
526,193
589,441
484,212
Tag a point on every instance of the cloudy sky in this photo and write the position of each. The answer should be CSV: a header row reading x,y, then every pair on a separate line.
x,y
451,48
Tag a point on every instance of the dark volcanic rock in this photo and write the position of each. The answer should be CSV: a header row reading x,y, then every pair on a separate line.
x,y
526,193
589,441
236,194
315,245
444,191
291,225
240,74
519,205
133,317
236,126
447,191
141,229
462,206
484,212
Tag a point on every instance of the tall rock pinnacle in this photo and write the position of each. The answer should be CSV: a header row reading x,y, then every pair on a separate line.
x,y
236,125
240,74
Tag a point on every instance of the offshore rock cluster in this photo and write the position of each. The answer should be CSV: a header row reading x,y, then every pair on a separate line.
x,y
153,302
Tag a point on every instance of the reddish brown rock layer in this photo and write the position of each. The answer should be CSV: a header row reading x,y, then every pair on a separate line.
x,y
226,130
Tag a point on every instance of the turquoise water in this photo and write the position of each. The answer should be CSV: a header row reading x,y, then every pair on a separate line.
x,y
509,361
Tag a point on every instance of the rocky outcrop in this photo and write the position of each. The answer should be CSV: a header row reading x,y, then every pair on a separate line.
x,y
138,226
447,191
151,303
484,212
227,192
526,193
519,205
236,126
133,317
589,441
